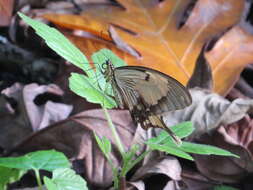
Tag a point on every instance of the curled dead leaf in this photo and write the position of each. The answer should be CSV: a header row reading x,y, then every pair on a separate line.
x,y
237,138
28,116
168,166
209,110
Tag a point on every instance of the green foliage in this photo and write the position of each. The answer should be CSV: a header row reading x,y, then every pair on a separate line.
x,y
40,160
95,89
204,149
224,187
81,85
104,145
9,175
171,150
130,159
13,168
182,130
65,179
164,143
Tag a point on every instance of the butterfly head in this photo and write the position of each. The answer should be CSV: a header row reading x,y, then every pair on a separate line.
x,y
108,70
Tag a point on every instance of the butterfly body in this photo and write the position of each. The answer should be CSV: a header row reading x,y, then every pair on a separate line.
x,y
147,94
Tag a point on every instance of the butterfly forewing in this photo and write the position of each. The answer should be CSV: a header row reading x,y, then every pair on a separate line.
x,y
117,94
159,92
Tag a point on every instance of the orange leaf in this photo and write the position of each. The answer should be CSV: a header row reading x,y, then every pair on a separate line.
x,y
166,38
88,24
229,56
90,46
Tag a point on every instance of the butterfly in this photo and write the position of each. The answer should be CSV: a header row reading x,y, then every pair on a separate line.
x,y
146,93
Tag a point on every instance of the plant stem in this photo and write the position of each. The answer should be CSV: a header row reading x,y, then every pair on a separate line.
x,y
114,132
122,183
37,174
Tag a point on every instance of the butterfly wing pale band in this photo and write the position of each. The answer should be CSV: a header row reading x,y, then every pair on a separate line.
x,y
147,93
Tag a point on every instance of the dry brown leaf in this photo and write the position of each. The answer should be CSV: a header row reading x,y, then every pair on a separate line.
x,y
168,166
6,8
229,56
171,185
62,80
15,127
237,138
209,110
26,115
194,180
165,165
10,126
89,46
49,113
139,185
165,37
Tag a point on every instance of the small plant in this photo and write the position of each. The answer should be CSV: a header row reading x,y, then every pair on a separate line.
x,y
13,168
94,88
224,187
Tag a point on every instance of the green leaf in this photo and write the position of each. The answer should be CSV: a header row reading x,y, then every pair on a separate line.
x,y
224,187
49,184
95,89
128,156
163,141
204,149
104,55
9,175
130,159
65,179
170,150
184,129
104,145
83,87
60,44
45,160
181,130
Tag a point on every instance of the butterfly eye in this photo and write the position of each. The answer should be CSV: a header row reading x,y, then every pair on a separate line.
x,y
104,65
